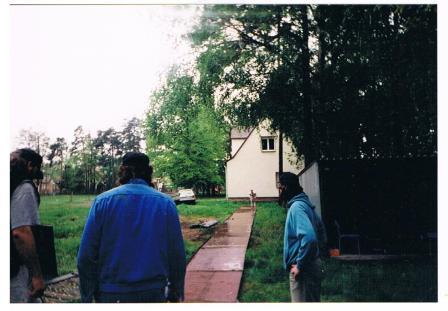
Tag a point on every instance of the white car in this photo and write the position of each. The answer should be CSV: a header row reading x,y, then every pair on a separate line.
x,y
185,196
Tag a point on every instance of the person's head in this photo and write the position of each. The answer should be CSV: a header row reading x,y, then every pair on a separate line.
x,y
135,165
289,187
25,164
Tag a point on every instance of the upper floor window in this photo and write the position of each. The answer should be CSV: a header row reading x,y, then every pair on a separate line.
x,y
267,144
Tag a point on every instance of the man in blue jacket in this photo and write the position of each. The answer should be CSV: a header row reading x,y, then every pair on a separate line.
x,y
304,234
132,248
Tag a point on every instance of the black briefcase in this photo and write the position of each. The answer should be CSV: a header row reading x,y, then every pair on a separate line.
x,y
44,238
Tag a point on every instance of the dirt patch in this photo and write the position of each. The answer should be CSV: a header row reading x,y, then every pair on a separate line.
x,y
196,234
193,234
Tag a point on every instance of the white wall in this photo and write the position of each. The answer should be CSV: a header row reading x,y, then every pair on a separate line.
x,y
236,144
310,184
255,169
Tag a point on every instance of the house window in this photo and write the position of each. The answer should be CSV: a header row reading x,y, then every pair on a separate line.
x,y
267,144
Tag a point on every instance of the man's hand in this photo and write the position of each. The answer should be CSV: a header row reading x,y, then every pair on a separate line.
x,y
37,287
26,247
295,272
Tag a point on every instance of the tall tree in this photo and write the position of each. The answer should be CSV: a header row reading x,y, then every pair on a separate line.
x,y
185,139
339,81
372,95
110,148
131,136
253,62
57,156
83,162
57,151
35,140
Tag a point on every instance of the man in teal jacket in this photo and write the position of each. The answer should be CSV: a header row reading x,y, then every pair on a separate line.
x,y
304,235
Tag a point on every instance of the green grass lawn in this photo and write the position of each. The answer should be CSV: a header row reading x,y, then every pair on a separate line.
x,y
68,214
220,209
264,279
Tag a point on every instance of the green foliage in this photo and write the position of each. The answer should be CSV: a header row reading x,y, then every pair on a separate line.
x,y
378,71
131,136
90,165
185,138
365,87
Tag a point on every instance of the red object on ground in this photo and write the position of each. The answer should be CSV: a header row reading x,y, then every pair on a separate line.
x,y
334,252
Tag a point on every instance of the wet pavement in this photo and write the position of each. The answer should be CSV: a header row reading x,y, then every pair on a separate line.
x,y
214,273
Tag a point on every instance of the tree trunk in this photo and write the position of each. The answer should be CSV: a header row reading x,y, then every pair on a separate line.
x,y
280,153
397,95
307,109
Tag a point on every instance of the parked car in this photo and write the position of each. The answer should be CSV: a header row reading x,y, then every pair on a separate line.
x,y
185,196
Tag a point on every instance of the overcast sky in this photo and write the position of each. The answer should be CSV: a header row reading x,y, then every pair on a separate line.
x,y
90,65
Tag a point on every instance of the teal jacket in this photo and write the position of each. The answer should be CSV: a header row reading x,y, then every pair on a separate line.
x,y
304,233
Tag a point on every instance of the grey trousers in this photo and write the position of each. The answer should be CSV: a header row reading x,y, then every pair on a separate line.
x,y
20,287
308,285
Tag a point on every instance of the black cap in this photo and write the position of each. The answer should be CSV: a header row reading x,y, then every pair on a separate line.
x,y
135,159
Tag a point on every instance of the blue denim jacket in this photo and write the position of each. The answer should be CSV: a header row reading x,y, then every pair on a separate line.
x,y
132,242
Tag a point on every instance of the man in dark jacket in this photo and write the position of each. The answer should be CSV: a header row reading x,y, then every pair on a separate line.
x,y
132,248
304,233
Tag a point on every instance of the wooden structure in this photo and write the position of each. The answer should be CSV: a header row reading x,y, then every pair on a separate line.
x,y
391,203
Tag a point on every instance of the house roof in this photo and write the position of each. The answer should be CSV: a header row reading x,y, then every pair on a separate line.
x,y
237,133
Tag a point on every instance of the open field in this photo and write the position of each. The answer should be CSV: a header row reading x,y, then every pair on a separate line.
x,y
264,279
68,214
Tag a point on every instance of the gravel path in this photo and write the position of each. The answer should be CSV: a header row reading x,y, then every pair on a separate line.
x,y
66,290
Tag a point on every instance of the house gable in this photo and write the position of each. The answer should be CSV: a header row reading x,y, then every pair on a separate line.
x,y
239,144
250,168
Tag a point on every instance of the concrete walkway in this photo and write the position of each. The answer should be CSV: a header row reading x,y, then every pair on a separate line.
x,y
214,273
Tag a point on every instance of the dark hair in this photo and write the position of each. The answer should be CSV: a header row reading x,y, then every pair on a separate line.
x,y
291,181
291,185
30,155
19,160
128,172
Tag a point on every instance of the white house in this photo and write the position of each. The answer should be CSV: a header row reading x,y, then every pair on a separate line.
x,y
254,163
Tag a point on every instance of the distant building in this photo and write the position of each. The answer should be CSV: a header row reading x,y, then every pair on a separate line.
x,y
254,163
48,186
